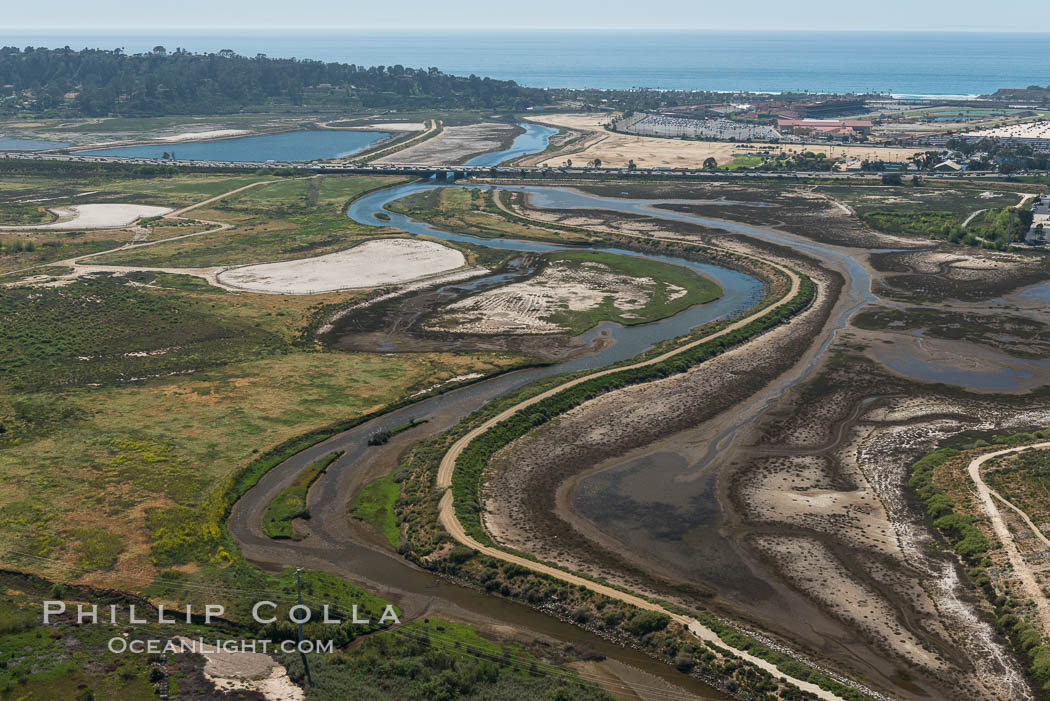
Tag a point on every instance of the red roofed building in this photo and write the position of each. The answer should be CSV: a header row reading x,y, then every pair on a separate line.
x,y
837,127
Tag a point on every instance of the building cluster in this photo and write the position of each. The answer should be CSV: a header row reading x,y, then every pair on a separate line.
x,y
685,127
842,129
1037,233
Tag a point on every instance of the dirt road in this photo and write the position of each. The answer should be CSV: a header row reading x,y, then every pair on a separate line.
x,y
450,522
1025,575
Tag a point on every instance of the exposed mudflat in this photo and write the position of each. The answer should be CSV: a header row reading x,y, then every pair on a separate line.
x,y
801,521
456,144
955,273
653,504
843,445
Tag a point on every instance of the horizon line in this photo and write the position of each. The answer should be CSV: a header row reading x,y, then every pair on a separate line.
x,y
243,29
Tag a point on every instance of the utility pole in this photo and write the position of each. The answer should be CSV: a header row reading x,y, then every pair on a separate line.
x,y
299,599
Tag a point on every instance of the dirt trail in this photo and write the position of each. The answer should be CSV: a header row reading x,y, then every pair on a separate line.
x,y
1024,573
79,269
450,522
208,274
177,214
1020,205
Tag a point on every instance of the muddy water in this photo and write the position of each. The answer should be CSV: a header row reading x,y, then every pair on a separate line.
x,y
662,502
739,291
659,503
963,364
336,545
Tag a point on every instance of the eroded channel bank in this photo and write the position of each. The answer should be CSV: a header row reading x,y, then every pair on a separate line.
x,y
337,545
335,539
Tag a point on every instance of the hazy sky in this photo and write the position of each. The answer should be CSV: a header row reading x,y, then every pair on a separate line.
x,y
947,15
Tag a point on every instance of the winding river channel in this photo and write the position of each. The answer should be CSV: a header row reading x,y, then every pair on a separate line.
x,y
339,545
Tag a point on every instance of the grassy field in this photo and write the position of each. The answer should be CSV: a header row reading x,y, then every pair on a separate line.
x,y
1024,479
141,460
374,504
929,210
51,339
421,660
698,290
128,406
25,200
126,403
26,251
473,211
124,407
290,504
294,218
438,659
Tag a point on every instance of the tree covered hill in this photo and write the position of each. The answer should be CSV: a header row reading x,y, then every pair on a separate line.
x,y
100,82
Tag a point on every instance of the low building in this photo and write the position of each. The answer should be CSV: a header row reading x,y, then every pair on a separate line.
x,y
949,166
1040,228
825,127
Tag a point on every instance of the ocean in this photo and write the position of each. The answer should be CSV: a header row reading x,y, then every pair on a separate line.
x,y
902,63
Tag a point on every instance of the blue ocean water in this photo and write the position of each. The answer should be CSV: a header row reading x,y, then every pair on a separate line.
x,y
917,63
286,146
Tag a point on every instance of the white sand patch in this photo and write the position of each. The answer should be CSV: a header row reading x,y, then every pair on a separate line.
x,y
526,307
95,216
457,378
395,126
212,134
248,671
370,264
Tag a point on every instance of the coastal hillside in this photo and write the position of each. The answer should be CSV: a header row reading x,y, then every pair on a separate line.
x,y
100,82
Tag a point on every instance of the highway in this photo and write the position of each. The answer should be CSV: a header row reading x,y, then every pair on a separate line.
x,y
461,171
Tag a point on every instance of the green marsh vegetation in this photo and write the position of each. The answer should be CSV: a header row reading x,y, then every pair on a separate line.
x,y
940,481
137,397
937,210
664,300
374,504
434,659
290,504
474,211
